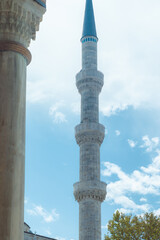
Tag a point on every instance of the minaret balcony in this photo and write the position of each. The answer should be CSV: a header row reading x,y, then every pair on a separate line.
x,y
94,190
89,79
89,132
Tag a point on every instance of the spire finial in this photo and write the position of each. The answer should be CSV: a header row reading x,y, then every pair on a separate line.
x,y
89,26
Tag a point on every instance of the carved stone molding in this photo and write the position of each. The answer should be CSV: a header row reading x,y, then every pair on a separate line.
x,y
85,190
89,133
89,80
89,84
19,21
89,138
16,47
90,194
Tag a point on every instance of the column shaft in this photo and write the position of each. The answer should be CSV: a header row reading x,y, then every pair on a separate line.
x,y
12,144
19,21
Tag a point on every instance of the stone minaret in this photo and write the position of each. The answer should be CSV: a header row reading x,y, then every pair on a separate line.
x,y
19,21
90,192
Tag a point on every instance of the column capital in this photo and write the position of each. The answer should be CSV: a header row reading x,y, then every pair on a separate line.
x,y
19,20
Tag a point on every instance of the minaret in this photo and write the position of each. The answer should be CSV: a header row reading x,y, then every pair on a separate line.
x,y
90,192
19,21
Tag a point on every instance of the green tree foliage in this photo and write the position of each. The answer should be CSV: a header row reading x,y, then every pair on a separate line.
x,y
128,227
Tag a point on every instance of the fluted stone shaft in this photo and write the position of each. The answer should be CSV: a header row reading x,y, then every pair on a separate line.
x,y
12,148
89,191
19,21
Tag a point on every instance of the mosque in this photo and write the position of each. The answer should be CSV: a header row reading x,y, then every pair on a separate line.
x,y
19,22
29,235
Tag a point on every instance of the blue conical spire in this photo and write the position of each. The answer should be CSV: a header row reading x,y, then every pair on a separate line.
x,y
89,26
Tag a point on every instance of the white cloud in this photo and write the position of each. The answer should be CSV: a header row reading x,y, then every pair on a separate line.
x,y
55,107
157,212
117,132
48,232
75,107
60,238
129,205
154,167
40,211
155,140
32,212
112,109
129,69
129,62
143,199
112,168
106,131
144,181
57,116
125,211
149,144
105,227
131,143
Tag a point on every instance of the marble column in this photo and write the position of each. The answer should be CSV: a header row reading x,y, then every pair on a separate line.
x,y
19,21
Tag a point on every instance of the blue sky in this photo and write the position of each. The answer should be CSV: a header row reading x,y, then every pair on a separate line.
x,y
129,53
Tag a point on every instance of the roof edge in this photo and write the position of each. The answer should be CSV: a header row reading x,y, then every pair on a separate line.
x,y
41,2
39,235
